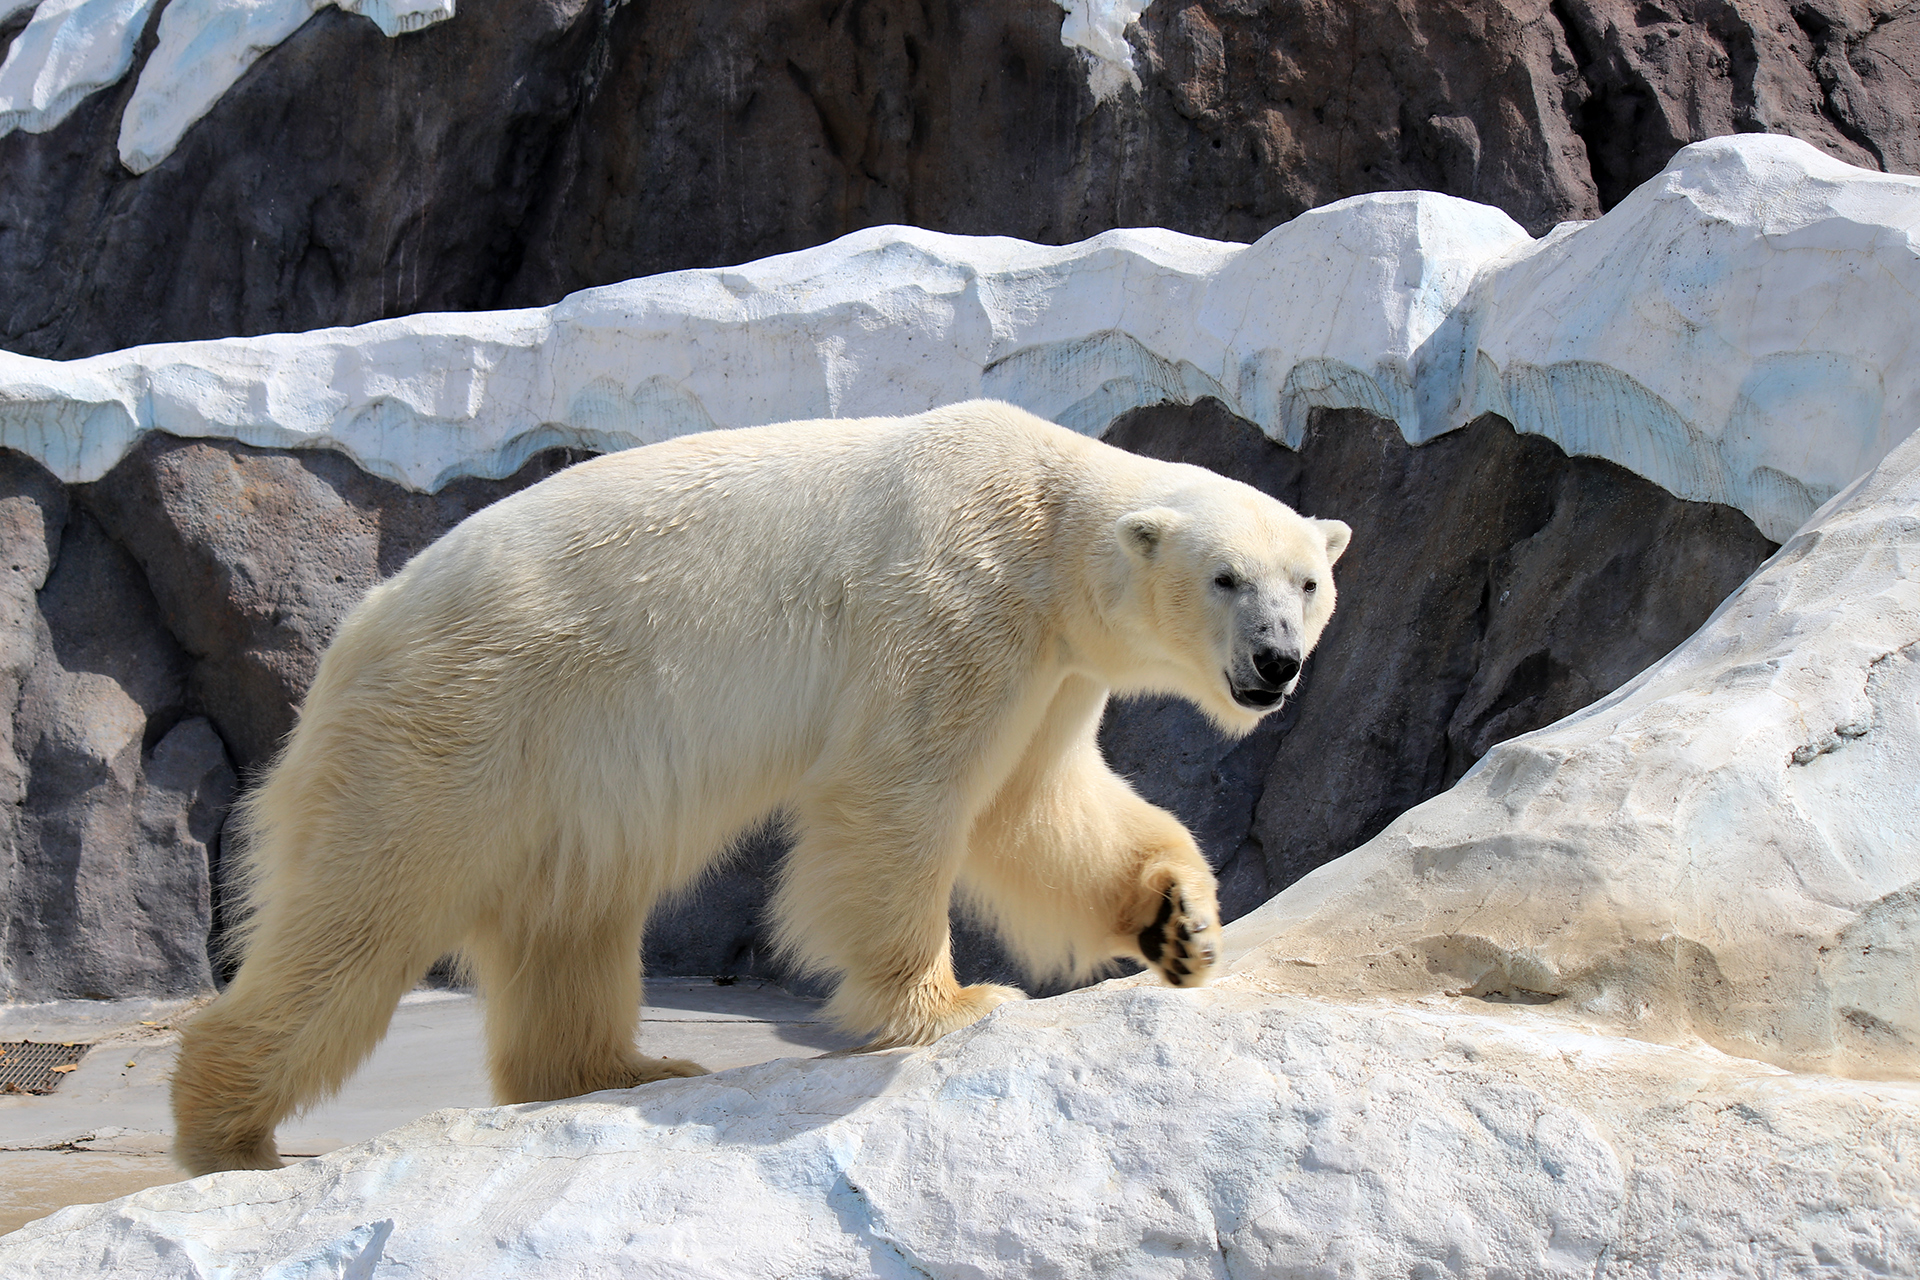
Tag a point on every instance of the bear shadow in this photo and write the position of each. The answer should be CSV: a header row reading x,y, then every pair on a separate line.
x,y
759,1105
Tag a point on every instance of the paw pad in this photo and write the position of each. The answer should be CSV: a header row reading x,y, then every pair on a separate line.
x,y
1173,945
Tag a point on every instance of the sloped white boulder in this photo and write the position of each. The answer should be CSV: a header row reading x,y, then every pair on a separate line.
x,y
68,50
1738,330
1723,848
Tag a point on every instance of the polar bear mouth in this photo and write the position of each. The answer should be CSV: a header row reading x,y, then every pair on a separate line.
x,y
1255,698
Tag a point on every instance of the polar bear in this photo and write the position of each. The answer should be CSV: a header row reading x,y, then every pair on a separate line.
x,y
897,635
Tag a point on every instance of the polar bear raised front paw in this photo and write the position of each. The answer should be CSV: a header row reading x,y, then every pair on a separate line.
x,y
1181,943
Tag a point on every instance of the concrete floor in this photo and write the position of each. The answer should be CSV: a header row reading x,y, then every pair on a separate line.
x,y
106,1130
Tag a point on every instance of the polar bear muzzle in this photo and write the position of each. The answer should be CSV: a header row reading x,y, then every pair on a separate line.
x,y
1276,670
1265,676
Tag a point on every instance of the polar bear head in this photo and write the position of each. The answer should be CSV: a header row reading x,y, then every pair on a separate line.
x,y
1230,591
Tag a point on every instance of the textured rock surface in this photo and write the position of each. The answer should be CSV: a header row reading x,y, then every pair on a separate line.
x,y
111,883
525,149
33,514
256,555
1109,1133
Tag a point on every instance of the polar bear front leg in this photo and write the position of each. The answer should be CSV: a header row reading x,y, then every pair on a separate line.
x,y
865,893
1074,868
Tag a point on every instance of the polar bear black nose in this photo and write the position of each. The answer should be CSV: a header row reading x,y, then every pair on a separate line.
x,y
1274,666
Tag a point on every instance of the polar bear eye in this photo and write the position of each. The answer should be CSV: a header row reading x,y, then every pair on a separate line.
x,y
1309,586
1225,581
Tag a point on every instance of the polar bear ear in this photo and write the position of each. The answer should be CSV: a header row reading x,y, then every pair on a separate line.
x,y
1142,532
1337,533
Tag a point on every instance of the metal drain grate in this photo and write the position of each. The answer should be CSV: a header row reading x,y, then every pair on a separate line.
x,y
26,1067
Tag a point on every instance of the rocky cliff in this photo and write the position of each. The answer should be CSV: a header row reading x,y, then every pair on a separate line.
x,y
198,168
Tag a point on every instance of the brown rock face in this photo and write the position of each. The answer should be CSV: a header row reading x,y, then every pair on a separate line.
x,y
254,556
1548,110
117,791
528,148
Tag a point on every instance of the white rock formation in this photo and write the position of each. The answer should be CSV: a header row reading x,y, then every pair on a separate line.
x,y
1738,330
1722,849
71,49
68,50
1109,1134
1098,29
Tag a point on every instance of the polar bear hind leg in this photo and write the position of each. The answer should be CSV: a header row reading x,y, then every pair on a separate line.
x,y
328,958
563,1004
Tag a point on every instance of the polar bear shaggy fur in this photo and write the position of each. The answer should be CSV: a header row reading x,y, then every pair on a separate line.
x,y
896,634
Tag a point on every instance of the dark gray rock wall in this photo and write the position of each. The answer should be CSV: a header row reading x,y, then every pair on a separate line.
x,y
528,148
158,628
33,514
123,794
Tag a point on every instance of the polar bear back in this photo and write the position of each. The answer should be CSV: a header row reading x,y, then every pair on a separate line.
x,y
686,629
